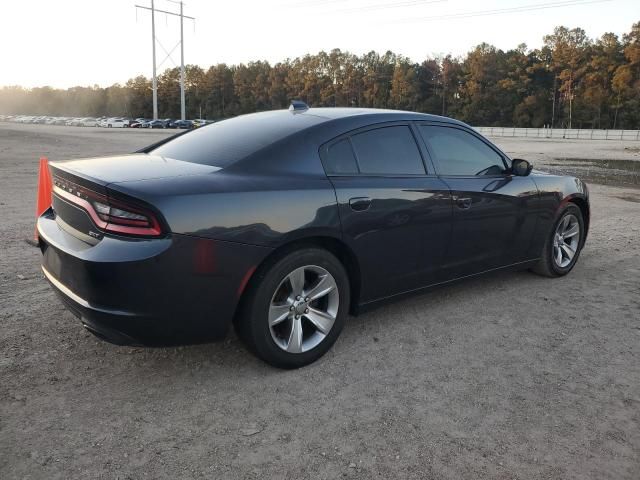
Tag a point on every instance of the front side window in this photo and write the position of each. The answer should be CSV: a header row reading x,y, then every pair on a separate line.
x,y
388,150
460,153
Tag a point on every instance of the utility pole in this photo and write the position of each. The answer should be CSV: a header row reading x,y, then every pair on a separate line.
x,y
153,49
182,104
154,40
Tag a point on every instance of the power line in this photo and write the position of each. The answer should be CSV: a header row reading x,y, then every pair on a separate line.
x,y
502,11
311,3
385,6
374,6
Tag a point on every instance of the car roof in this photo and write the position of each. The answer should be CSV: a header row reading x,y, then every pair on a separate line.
x,y
326,114
328,121
226,142
334,113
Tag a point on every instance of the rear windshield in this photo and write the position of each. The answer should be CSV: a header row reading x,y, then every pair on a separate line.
x,y
223,143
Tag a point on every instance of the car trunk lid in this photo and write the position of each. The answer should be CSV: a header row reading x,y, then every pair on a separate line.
x,y
79,184
127,168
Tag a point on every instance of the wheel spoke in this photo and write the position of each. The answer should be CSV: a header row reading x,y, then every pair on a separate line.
x,y
294,345
572,231
325,284
296,279
558,255
278,313
323,321
569,252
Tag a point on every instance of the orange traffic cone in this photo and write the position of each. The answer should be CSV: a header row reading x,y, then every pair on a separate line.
x,y
45,186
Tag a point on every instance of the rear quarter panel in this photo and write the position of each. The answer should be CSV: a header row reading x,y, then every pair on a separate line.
x,y
259,210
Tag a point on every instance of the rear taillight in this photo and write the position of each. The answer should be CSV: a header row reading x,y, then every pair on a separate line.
x,y
109,215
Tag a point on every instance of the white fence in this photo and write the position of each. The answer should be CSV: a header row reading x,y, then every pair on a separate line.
x,y
572,133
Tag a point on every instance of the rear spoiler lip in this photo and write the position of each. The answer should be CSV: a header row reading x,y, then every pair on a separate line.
x,y
58,168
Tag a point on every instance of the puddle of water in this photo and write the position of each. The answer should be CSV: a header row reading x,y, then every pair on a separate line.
x,y
624,173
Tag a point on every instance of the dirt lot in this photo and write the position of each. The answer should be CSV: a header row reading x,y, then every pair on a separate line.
x,y
508,376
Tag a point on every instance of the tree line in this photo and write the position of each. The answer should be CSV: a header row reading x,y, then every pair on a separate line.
x,y
572,80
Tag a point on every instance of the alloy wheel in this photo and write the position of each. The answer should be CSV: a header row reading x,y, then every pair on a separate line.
x,y
566,240
303,309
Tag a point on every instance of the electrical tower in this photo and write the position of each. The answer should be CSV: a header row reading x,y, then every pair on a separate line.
x,y
153,11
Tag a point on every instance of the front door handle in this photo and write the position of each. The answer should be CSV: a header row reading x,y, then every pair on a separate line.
x,y
463,202
359,204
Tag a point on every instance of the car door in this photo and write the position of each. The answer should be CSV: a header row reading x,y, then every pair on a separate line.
x,y
392,209
494,212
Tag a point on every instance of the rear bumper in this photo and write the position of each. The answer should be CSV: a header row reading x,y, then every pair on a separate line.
x,y
175,290
114,326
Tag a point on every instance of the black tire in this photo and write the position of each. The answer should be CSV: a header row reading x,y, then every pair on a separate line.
x,y
252,324
547,266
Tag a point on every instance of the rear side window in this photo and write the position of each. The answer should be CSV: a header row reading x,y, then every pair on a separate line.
x,y
460,153
388,150
222,143
339,159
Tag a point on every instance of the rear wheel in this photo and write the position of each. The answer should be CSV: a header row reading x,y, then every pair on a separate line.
x,y
295,308
563,245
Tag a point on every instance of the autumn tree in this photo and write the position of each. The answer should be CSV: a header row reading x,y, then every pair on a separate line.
x,y
571,80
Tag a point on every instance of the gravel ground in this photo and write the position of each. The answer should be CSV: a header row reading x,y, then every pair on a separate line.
x,y
508,376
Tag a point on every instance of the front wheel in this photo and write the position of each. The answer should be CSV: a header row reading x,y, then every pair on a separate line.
x,y
563,245
295,308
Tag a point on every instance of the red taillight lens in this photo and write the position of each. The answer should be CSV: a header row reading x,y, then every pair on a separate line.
x,y
109,215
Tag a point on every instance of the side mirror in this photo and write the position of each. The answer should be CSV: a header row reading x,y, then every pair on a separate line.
x,y
520,167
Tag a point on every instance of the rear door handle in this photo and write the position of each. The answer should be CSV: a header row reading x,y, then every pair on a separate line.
x,y
359,204
463,202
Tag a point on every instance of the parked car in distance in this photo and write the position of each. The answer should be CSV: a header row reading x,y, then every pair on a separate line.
x,y
137,123
154,124
87,122
117,123
184,124
281,223
200,122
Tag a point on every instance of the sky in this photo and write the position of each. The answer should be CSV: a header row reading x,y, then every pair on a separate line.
x,y
65,43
